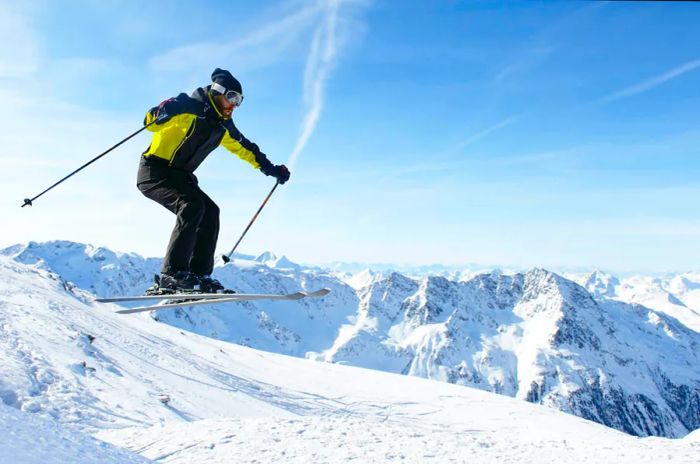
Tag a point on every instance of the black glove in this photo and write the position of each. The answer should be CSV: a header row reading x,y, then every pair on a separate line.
x,y
280,172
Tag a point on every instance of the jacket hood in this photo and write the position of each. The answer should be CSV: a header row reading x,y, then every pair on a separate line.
x,y
202,94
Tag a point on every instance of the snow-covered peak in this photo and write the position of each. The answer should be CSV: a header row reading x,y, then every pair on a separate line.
x,y
658,293
266,257
33,252
271,260
361,279
684,283
99,270
677,295
283,263
600,283
539,284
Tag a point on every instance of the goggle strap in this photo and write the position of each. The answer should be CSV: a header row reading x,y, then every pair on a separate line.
x,y
215,86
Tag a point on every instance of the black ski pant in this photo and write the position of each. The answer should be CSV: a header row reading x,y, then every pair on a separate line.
x,y
193,240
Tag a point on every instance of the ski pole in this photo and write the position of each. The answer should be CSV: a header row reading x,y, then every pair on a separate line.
x,y
29,201
228,258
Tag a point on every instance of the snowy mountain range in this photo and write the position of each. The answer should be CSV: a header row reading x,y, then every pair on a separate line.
x,y
82,384
623,353
677,295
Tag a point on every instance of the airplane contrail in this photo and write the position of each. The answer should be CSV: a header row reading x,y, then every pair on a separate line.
x,y
653,82
319,65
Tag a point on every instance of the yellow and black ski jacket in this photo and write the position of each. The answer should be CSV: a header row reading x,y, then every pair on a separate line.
x,y
193,129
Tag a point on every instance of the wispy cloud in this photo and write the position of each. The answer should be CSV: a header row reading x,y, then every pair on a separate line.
x,y
544,43
260,47
653,82
525,61
489,130
19,51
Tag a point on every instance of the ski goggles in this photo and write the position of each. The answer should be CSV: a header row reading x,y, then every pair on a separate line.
x,y
233,97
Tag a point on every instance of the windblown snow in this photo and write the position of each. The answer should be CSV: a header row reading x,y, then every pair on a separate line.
x,y
101,387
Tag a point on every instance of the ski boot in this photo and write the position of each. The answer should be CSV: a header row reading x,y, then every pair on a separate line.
x,y
211,285
180,282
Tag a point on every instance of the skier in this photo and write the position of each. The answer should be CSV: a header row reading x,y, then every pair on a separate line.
x,y
186,130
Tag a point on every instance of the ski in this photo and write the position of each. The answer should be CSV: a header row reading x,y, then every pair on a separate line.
x,y
211,298
171,296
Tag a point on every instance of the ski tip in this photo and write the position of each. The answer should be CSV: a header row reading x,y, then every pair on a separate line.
x,y
317,293
322,292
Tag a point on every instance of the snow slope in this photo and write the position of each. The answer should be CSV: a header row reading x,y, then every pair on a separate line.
x,y
27,438
175,396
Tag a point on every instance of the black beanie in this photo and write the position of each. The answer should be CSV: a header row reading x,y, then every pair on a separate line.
x,y
224,78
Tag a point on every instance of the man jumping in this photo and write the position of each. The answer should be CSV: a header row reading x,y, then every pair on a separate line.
x,y
186,130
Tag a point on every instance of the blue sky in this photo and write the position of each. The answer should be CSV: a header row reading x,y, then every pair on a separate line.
x,y
559,134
